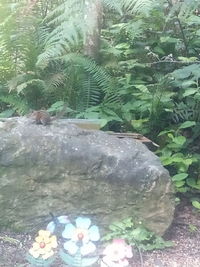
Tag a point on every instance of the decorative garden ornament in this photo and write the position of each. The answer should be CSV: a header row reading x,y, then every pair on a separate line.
x,y
42,251
117,254
80,242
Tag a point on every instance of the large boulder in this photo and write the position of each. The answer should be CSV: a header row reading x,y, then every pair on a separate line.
x,y
63,169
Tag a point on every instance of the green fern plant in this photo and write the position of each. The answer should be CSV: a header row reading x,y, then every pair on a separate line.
x,y
15,104
68,27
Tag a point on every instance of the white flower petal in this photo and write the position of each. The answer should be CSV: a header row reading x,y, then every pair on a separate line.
x,y
69,231
51,227
94,233
71,247
83,222
129,252
63,219
114,252
88,248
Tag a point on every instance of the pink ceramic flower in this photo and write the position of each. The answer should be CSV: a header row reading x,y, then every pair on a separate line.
x,y
116,254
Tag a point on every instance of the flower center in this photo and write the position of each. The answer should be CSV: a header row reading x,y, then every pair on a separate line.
x,y
80,236
42,245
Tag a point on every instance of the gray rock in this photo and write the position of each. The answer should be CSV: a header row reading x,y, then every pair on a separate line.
x,y
63,169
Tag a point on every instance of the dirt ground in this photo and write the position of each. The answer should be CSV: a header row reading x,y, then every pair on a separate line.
x,y
184,232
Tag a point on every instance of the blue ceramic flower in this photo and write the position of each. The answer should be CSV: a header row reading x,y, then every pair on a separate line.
x,y
52,225
81,236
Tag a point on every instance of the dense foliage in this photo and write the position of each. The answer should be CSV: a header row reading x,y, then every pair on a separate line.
x,y
145,77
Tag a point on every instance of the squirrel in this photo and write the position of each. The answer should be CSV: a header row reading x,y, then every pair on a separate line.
x,y
43,117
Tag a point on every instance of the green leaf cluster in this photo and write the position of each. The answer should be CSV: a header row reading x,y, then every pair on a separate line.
x,y
136,235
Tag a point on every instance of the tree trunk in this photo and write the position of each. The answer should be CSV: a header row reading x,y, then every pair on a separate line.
x,y
94,21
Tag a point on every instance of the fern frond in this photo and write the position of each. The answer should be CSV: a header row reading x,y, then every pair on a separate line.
x,y
17,103
56,80
187,110
98,74
56,50
89,95
113,4
137,6
67,8
13,83
22,81
37,82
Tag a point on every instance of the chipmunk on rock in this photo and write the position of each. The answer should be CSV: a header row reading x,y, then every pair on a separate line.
x,y
43,117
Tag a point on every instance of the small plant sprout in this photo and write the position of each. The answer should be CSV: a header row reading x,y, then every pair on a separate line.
x,y
117,254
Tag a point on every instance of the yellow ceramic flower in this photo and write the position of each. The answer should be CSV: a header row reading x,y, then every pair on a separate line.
x,y
43,247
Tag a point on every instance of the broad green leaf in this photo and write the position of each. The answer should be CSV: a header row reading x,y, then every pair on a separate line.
x,y
186,72
196,204
187,124
177,159
179,177
188,161
179,140
110,115
182,189
138,123
188,83
159,50
178,155
183,168
174,146
170,136
179,183
165,132
188,59
190,91
166,153
166,161
168,39
193,183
